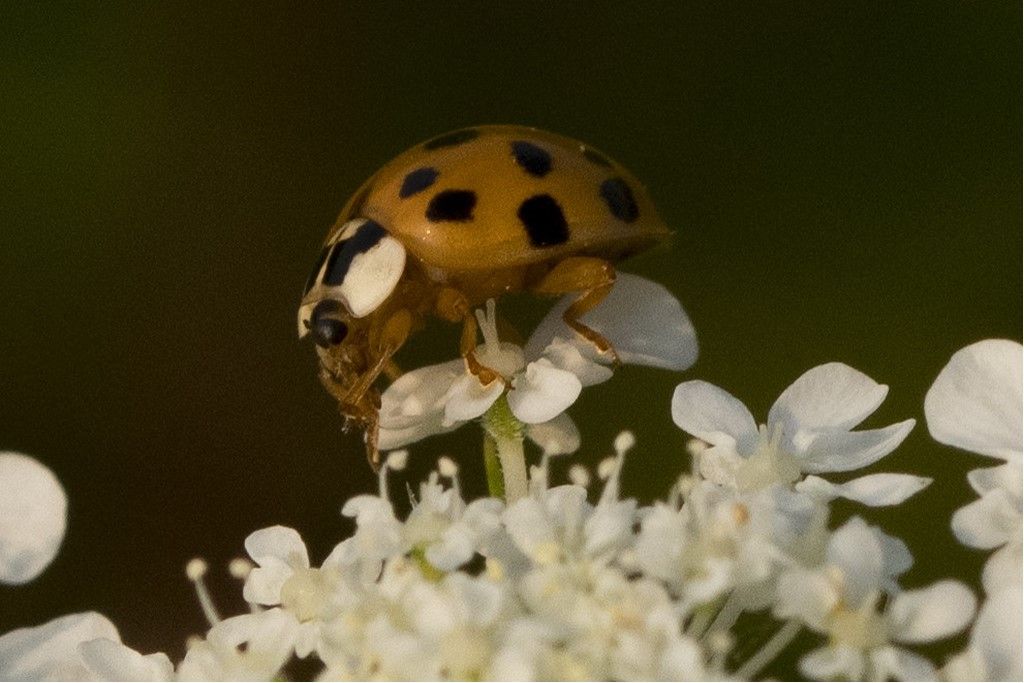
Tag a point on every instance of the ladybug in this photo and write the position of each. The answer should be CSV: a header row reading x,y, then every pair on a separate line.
x,y
457,220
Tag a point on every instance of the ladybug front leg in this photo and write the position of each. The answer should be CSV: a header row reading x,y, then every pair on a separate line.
x,y
452,305
593,278
385,341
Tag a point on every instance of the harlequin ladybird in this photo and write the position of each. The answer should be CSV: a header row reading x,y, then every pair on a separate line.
x,y
454,221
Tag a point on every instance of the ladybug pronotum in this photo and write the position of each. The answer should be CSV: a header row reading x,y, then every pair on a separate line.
x,y
462,218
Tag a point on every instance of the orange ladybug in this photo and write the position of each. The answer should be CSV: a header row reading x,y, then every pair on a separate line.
x,y
454,221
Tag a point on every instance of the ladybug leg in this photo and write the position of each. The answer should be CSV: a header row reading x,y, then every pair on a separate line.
x,y
392,371
371,430
593,278
386,340
453,306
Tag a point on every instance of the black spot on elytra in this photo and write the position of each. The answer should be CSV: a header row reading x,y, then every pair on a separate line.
x,y
597,157
451,139
417,181
533,159
544,221
451,205
619,198
342,253
311,280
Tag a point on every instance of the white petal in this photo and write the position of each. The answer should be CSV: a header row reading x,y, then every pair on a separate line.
x,y
997,634
33,517
557,437
389,439
642,320
719,465
927,614
975,402
856,549
833,663
277,542
845,451
832,396
412,407
713,415
568,356
50,651
909,666
988,522
468,399
805,595
1003,567
528,525
966,665
542,392
1005,477
111,661
874,490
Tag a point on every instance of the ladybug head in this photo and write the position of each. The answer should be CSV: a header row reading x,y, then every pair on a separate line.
x,y
358,270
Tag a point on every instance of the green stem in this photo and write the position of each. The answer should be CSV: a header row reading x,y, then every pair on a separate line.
x,y
495,482
768,652
506,432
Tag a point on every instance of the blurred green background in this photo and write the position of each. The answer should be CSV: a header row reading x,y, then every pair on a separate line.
x,y
844,180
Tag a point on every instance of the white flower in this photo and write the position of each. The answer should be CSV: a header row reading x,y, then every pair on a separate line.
x,y
559,525
975,404
84,647
250,647
446,530
720,541
441,529
808,432
283,577
641,319
33,517
994,653
841,598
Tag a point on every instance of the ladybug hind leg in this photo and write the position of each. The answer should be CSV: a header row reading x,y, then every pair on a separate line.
x,y
593,278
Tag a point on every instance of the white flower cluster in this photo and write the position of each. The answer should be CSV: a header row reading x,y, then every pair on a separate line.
x,y
565,582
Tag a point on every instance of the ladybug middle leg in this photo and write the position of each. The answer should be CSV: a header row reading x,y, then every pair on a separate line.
x,y
452,305
593,278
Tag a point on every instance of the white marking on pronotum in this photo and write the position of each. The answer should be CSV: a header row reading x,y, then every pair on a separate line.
x,y
372,277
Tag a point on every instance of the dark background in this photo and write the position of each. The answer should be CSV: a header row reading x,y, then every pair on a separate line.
x,y
844,181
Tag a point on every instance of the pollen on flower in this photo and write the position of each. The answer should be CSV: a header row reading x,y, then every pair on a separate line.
x,y
579,475
397,460
196,569
740,513
720,642
624,441
606,468
240,567
695,447
447,467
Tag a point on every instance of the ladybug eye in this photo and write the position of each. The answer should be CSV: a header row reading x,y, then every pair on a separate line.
x,y
328,330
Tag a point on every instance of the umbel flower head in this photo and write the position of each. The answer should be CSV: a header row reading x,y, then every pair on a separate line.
x,y
552,581
33,517
975,405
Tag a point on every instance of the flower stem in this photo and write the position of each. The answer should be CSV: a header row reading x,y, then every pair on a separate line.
x,y
727,615
506,432
769,651
495,483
